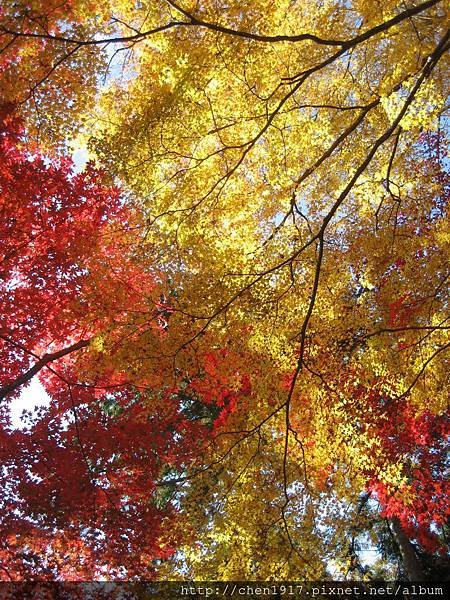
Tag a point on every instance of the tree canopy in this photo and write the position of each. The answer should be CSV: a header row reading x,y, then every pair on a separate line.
x,y
239,306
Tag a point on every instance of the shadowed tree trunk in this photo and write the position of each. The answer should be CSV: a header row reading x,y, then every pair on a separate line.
x,y
411,563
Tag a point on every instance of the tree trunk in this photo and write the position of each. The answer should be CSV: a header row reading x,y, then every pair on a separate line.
x,y
411,563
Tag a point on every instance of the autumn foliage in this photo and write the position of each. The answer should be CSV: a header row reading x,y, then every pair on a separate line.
x,y
238,307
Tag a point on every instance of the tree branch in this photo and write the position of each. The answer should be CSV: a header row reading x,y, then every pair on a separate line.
x,y
40,364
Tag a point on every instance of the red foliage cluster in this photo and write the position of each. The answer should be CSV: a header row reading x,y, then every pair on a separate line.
x,y
84,487
419,441
52,222
221,385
